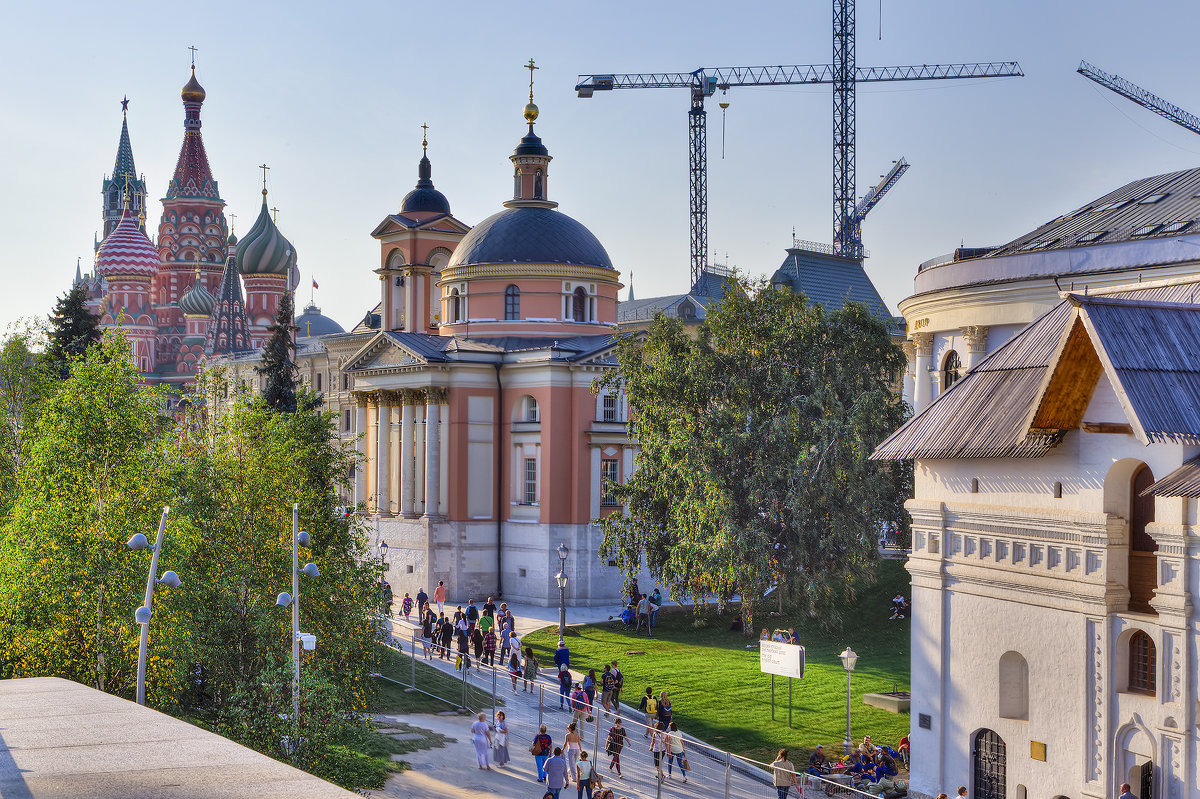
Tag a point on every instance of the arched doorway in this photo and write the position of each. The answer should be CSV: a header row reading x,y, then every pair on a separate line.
x,y
1143,560
989,765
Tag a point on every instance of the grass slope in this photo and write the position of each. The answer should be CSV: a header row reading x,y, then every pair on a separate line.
x,y
720,696
392,698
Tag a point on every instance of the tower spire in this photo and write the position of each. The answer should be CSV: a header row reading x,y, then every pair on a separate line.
x,y
123,184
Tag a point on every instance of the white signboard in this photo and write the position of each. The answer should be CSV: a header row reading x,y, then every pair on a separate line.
x,y
786,660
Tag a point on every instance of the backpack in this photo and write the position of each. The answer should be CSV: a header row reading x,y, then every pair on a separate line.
x,y
578,700
651,704
619,679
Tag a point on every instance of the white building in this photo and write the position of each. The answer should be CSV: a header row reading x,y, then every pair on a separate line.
x,y
1055,562
970,302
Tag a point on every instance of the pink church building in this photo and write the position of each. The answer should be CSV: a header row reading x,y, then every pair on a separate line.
x,y
482,445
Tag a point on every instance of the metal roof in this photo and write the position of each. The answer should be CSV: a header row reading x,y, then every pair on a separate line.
x,y
1150,338
1183,482
526,235
829,281
1163,205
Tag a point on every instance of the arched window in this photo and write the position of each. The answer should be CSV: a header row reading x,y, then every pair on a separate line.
x,y
1143,562
951,367
517,183
537,185
512,303
1142,663
455,306
579,305
1014,686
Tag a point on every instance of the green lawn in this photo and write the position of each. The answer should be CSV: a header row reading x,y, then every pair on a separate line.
x,y
719,695
393,698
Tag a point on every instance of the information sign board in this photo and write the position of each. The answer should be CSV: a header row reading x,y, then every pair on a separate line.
x,y
786,660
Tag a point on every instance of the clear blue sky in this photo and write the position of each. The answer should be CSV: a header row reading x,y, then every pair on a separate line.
x,y
332,96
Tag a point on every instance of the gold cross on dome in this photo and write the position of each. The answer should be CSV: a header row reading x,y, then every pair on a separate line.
x,y
424,136
274,214
530,66
232,222
193,49
264,168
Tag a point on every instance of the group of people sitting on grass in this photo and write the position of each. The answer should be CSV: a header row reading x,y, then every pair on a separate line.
x,y
641,610
869,764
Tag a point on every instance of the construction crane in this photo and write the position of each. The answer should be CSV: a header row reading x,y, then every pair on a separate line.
x,y
870,200
1140,96
843,74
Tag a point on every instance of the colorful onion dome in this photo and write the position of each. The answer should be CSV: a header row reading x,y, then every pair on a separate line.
x,y
264,250
126,251
193,92
197,301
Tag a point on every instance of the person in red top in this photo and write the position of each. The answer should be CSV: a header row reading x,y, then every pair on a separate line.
x,y
439,595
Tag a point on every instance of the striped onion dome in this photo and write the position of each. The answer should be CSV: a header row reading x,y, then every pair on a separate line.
x,y
196,301
126,251
264,250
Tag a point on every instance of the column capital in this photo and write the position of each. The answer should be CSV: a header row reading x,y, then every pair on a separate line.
x,y
372,398
436,395
976,336
411,396
909,348
923,343
389,398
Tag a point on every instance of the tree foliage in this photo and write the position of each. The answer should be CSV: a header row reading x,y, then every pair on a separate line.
x,y
753,471
73,329
105,460
25,383
278,366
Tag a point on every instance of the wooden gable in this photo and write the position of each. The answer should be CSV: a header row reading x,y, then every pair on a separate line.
x,y
1069,384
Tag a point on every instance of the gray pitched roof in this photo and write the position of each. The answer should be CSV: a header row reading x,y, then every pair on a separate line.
x,y
829,281
670,304
987,413
1163,205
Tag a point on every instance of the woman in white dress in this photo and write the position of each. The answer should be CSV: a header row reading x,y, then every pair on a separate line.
x,y
500,740
481,736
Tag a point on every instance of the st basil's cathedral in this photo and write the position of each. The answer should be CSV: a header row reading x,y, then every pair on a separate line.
x,y
196,291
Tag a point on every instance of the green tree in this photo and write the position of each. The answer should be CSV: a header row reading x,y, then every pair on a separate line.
x,y
278,366
753,471
25,383
73,329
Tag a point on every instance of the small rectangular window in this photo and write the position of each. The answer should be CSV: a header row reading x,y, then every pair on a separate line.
x,y
1092,235
530,481
1151,199
610,473
1175,227
346,421
1145,230
318,381
610,407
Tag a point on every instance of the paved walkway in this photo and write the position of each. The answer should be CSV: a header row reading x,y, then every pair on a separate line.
x,y
451,772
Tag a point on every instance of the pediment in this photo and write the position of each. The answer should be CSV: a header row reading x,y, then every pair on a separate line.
x,y
383,352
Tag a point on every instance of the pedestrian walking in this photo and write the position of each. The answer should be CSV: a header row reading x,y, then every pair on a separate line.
x,y
540,749
481,736
500,740
477,642
783,772
658,746
486,623
643,613
607,683
439,596
558,773
489,609
464,654
489,648
515,670
589,688
614,743
573,744
387,597
578,704
562,656
618,684
664,708
422,600
564,687
531,670
584,774
447,637
427,635
505,642
676,752
406,605
472,615
649,708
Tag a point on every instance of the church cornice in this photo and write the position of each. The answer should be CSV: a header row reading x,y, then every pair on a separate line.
x,y
536,270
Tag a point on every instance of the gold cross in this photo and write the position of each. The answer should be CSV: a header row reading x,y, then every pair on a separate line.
x,y
274,214
264,168
127,176
193,49
531,68
424,136
232,222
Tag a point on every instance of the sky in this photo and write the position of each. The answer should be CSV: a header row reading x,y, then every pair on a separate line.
x,y
332,96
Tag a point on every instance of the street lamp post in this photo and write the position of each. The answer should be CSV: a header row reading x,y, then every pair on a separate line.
x,y
142,614
561,577
849,660
299,538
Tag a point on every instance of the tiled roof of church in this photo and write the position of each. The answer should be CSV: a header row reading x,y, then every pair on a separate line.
x,y
829,281
193,176
1151,338
126,251
228,330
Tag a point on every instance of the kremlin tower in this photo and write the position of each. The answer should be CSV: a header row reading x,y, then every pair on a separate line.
x,y
124,179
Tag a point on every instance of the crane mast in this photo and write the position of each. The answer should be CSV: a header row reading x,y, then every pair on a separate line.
x,y
844,75
1140,96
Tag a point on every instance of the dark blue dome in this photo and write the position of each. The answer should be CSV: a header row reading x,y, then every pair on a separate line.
x,y
425,197
314,323
530,235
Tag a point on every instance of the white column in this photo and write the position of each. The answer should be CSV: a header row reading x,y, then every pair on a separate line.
x,y
432,451
923,342
360,449
976,337
596,492
408,461
910,352
383,458
444,459
627,455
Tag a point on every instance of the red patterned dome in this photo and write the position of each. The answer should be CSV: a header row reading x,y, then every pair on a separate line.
x,y
126,251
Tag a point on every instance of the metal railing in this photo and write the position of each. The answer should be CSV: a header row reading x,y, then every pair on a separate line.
x,y
710,771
